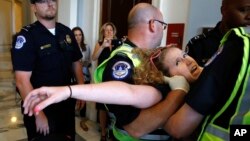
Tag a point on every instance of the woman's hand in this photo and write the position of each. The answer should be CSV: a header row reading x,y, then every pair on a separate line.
x,y
40,98
107,42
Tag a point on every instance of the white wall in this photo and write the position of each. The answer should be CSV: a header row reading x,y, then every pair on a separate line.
x,y
195,14
67,12
202,13
174,11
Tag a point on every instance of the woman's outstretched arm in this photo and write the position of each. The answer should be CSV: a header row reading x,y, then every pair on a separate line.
x,y
112,92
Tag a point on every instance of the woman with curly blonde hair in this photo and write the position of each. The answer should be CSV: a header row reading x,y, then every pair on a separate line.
x,y
164,61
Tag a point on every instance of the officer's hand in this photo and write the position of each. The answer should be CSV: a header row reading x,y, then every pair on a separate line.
x,y
177,82
42,125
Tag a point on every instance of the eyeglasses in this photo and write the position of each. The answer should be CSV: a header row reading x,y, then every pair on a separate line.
x,y
155,55
45,1
164,25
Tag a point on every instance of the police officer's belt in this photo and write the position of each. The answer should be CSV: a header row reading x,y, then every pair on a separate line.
x,y
158,134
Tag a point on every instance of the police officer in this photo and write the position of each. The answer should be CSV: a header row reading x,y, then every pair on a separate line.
x,y
45,53
145,30
203,46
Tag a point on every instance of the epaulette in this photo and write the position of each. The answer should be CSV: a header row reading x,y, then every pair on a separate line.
x,y
62,26
29,27
198,37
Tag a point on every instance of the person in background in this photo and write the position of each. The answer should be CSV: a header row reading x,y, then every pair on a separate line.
x,y
104,46
102,50
86,53
45,53
86,64
235,13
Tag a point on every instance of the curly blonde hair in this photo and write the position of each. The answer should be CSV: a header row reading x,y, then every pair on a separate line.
x,y
145,73
151,69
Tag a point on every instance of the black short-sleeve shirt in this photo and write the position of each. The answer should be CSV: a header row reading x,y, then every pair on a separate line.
x,y
49,57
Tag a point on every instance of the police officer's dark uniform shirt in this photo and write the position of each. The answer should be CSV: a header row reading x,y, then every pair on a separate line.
x,y
50,59
120,68
215,84
103,56
203,46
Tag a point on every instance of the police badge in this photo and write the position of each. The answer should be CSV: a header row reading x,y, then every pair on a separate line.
x,y
68,39
121,70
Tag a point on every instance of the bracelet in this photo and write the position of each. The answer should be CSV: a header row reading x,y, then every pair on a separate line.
x,y
70,94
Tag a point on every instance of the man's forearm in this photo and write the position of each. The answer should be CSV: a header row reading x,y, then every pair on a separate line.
x,y
23,83
156,116
77,67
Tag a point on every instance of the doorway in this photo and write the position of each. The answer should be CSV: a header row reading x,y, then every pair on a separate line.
x,y
116,11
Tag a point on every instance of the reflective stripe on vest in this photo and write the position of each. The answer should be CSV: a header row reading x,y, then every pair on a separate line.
x,y
125,49
211,131
244,106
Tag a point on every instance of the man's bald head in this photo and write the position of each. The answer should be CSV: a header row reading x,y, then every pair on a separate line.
x,y
142,13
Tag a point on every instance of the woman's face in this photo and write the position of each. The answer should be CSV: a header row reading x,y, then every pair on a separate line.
x,y
179,63
108,32
78,36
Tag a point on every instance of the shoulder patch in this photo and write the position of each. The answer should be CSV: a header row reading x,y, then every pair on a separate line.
x,y
121,70
20,42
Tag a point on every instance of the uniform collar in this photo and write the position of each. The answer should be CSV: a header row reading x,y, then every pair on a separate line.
x,y
127,41
42,28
